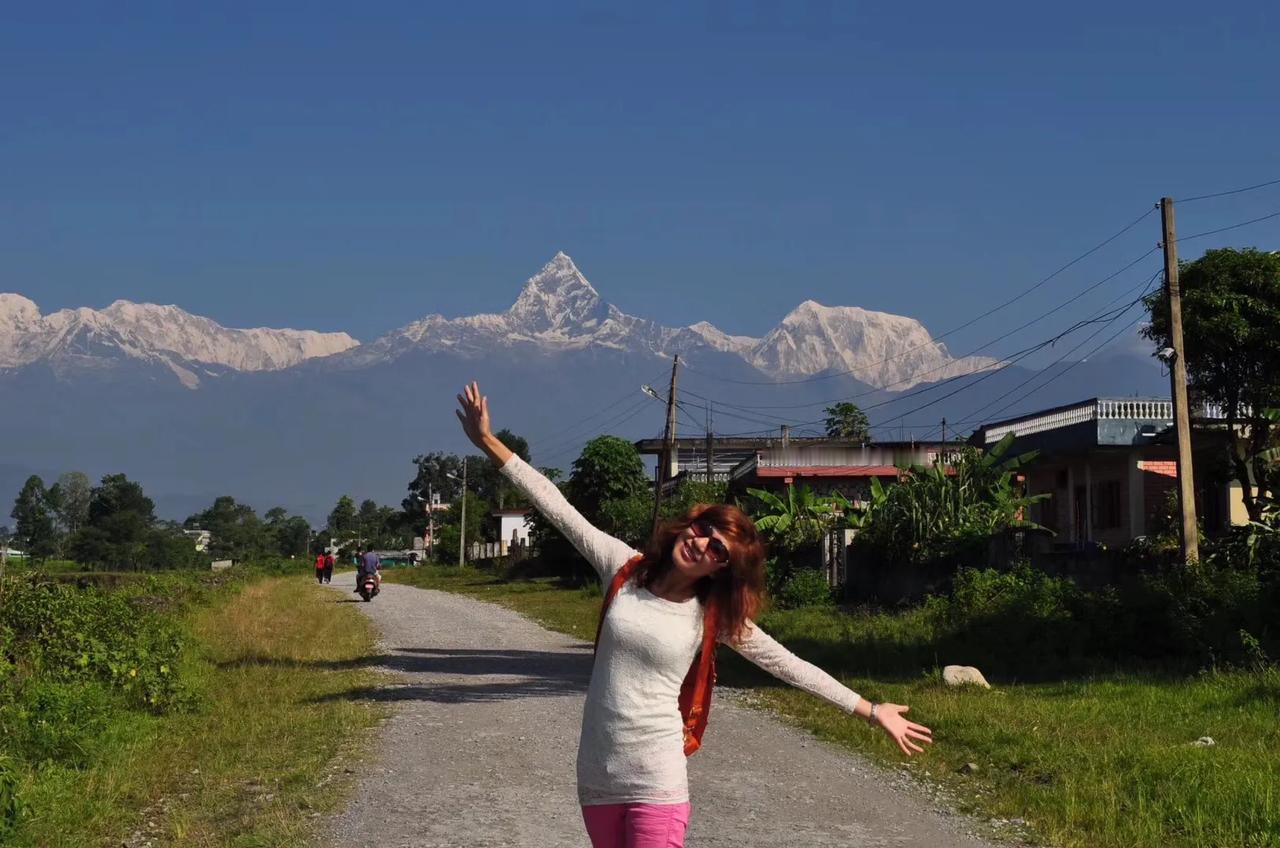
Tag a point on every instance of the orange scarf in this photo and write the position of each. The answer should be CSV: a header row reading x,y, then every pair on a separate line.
x,y
695,691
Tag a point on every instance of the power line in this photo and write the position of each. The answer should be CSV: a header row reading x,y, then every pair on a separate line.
x,y
1126,228
1230,191
911,378
1105,342
1058,361
1181,239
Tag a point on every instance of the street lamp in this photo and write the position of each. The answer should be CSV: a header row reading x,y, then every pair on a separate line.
x,y
462,528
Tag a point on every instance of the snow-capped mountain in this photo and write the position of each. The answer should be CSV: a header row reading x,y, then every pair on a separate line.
x,y
558,309
86,338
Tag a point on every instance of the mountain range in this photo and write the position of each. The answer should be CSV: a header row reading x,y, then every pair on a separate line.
x,y
298,417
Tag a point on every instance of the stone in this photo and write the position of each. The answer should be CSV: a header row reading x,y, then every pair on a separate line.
x,y
969,768
1204,742
964,675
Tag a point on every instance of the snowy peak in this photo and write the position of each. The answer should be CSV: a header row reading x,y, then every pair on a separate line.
x,y
166,335
558,299
883,350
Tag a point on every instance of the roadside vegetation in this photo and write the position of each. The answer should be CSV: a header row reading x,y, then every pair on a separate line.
x,y
178,707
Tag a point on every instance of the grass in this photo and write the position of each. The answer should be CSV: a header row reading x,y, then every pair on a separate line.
x,y
254,763
1103,759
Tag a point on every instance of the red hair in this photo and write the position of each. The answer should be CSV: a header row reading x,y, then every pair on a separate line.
x,y
738,588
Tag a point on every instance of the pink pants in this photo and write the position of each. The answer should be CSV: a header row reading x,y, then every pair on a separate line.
x,y
636,825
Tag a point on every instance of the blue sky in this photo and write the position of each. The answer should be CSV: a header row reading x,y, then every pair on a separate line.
x,y
354,167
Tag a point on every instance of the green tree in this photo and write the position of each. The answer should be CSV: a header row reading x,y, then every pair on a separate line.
x,y
119,524
488,482
71,500
797,518
1231,338
35,529
235,530
609,468
290,534
847,421
342,524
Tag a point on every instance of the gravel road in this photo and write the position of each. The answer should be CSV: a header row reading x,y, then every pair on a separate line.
x,y
480,749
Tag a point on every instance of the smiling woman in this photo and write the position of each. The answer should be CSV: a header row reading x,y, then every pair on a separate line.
x,y
699,582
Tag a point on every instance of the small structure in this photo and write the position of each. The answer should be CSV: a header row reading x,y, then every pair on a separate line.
x,y
513,526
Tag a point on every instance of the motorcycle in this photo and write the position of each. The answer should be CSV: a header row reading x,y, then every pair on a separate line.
x,y
368,586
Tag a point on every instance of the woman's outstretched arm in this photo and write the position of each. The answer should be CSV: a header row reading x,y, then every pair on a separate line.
x,y
765,651
605,553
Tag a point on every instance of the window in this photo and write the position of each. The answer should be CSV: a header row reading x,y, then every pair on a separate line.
x,y
1106,505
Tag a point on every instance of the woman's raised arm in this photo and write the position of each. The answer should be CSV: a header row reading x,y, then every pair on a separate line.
x,y
605,553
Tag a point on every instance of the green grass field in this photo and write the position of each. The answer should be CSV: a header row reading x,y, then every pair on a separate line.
x,y
255,760
1102,760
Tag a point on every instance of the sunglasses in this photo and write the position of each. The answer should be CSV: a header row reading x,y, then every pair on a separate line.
x,y
716,548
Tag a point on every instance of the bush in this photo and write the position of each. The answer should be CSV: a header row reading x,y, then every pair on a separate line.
x,y
805,587
55,722
65,634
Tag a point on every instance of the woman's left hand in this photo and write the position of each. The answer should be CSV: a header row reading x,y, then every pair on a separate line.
x,y
905,733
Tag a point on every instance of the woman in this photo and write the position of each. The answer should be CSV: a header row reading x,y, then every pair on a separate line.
x,y
699,581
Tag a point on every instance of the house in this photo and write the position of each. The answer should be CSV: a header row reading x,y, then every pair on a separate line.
x,y
823,464
513,526
1109,466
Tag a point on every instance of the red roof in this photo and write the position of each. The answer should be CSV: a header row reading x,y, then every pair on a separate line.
x,y
826,471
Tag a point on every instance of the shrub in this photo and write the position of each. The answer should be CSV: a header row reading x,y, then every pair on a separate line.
x,y
805,587
55,722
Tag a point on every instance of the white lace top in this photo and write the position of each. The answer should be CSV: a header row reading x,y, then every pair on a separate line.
x,y
631,749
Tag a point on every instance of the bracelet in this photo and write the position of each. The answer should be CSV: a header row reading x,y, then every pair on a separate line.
x,y
871,716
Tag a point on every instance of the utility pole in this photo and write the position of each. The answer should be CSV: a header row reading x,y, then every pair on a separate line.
x,y
711,448
1178,379
668,442
462,528
943,452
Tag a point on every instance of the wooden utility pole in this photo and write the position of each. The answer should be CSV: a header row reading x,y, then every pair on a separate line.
x,y
711,447
462,528
668,442
1178,381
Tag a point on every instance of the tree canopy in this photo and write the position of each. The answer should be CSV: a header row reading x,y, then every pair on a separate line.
x,y
846,420
1231,338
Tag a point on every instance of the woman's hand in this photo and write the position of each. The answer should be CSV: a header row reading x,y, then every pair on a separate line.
x,y
904,733
474,414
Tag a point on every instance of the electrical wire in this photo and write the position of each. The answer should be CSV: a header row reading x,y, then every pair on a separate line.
x,y
1181,239
911,378
1228,192
1126,228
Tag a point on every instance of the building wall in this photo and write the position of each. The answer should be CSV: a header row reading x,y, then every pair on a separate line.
x,y
517,524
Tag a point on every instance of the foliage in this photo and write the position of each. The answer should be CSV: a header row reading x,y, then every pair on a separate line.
x,y
609,468
938,513
34,519
121,530
631,518
289,535
235,531
71,495
1231,338
846,420
487,481
799,519
803,587
341,523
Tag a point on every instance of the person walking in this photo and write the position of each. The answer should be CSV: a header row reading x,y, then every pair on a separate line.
x,y
320,567
328,566
699,582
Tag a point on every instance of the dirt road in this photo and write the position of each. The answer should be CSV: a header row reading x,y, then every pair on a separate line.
x,y
481,747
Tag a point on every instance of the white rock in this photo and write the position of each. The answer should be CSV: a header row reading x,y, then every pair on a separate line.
x,y
1204,742
964,675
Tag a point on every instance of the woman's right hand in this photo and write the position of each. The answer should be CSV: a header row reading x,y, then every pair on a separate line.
x,y
474,414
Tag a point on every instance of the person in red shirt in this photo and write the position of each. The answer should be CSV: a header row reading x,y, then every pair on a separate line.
x,y
320,567
328,567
